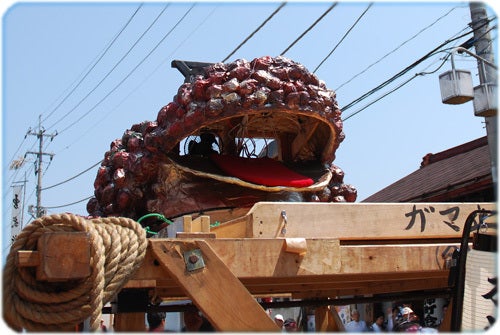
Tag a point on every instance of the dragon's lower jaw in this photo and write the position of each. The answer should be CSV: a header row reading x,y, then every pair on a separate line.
x,y
198,188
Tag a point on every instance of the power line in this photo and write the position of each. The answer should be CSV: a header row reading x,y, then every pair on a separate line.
x,y
69,179
70,204
308,29
141,62
381,97
75,176
115,66
343,37
395,49
401,73
255,31
94,65
132,71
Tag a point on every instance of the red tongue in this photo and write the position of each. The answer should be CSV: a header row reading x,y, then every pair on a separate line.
x,y
261,171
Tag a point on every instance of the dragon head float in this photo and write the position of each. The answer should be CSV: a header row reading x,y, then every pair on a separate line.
x,y
235,134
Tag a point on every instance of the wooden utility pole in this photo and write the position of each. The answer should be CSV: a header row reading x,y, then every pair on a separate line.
x,y
40,134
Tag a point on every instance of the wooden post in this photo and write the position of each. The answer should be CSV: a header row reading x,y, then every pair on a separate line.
x,y
199,227
327,320
445,326
130,322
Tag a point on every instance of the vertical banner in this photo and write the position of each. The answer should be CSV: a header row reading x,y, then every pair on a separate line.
x,y
480,291
17,211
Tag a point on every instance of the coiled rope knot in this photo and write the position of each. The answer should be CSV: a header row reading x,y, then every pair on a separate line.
x,y
117,245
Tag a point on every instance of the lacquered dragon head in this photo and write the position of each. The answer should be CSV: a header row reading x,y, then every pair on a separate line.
x,y
248,116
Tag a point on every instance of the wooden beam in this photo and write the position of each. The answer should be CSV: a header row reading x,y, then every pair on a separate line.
x,y
327,269
213,289
360,221
257,258
27,258
236,228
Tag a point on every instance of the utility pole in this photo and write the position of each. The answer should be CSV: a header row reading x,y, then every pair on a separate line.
x,y
40,134
487,74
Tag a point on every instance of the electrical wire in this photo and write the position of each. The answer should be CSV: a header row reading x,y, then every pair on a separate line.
x,y
255,31
66,205
226,58
395,49
96,62
160,65
343,37
308,29
381,97
114,67
75,176
400,86
132,71
86,170
401,73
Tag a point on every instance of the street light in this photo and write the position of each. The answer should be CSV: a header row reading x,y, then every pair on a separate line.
x,y
456,87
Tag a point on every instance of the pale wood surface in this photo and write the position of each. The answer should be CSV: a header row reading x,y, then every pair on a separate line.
x,y
360,220
327,320
63,256
327,268
214,289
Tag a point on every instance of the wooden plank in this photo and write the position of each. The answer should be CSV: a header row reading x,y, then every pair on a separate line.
x,y
329,285
327,269
333,286
238,228
362,221
187,222
214,289
258,258
195,235
143,283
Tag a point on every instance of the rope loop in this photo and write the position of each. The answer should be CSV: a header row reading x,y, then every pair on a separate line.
x,y
118,247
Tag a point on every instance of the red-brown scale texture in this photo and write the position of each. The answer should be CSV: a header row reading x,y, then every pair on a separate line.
x,y
127,181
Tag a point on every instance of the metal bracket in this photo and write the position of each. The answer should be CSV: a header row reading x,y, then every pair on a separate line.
x,y
194,260
285,222
189,69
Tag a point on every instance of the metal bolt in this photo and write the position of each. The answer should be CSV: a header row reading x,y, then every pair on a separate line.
x,y
193,259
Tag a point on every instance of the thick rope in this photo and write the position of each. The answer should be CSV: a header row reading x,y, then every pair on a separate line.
x,y
117,245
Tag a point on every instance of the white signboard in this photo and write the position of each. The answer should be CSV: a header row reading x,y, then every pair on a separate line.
x,y
17,211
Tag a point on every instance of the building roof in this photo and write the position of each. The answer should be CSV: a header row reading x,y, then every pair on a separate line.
x,y
444,176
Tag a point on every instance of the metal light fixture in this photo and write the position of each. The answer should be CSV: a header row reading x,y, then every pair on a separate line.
x,y
456,87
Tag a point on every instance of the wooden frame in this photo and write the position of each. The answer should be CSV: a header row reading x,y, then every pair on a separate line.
x,y
299,250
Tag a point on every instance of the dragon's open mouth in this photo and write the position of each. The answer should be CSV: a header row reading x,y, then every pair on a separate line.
x,y
232,134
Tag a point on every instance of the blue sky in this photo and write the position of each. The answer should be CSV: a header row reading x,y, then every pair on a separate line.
x,y
47,49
